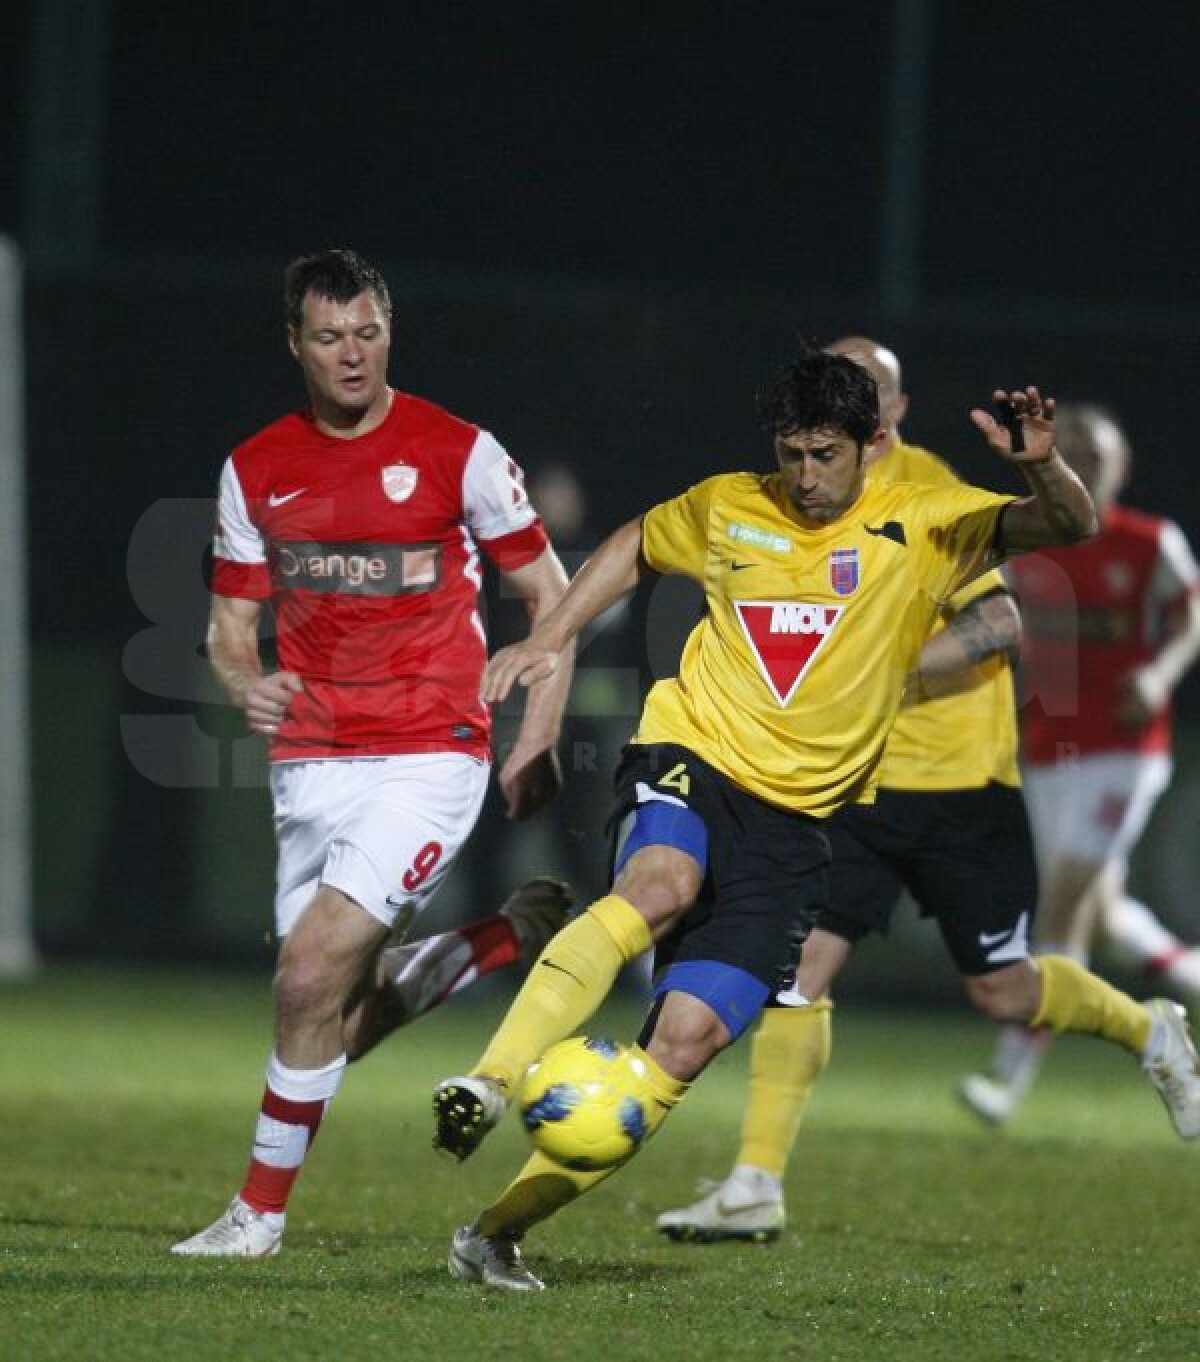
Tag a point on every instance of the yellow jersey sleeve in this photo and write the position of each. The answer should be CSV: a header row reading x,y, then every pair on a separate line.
x,y
986,585
675,533
960,526
968,738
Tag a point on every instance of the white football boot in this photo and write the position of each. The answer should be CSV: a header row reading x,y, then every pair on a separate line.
x,y
989,1098
494,1261
466,1108
1016,1062
747,1205
1171,1065
241,1232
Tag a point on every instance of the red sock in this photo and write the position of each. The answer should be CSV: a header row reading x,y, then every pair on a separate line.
x,y
428,971
493,944
286,1129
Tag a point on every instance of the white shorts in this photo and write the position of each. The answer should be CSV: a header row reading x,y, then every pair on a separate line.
x,y
1094,808
383,830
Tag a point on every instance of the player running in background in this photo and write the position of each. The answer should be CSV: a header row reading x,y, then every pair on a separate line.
x,y
1110,629
948,824
820,592
359,521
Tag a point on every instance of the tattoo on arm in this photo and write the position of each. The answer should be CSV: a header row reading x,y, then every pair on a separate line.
x,y
975,635
978,635
988,627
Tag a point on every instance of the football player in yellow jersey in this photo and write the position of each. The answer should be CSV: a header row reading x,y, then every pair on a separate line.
x,y
821,587
948,824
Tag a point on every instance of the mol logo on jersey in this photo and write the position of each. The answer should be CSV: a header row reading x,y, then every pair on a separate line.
x,y
785,638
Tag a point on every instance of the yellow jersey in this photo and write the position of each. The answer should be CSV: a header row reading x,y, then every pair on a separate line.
x,y
965,740
790,683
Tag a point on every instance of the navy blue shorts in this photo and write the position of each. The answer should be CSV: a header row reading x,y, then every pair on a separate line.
x,y
965,856
765,868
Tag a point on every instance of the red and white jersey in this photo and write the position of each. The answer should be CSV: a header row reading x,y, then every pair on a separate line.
x,y
1093,613
367,551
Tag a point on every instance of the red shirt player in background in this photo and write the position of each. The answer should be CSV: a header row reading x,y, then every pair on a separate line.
x,y
1110,627
360,522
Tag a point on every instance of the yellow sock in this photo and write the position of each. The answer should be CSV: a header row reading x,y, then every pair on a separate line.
x,y
543,1186
568,982
791,1047
1075,999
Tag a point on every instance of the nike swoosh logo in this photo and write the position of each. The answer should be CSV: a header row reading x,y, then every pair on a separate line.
x,y
890,529
549,964
723,1209
274,500
993,938
740,567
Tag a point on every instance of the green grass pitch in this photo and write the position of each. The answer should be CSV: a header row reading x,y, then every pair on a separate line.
x,y
126,1105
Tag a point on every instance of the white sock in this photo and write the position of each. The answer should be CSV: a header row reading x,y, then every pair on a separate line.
x,y
1020,1050
1138,938
1017,1059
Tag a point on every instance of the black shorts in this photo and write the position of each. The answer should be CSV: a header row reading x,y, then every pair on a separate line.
x,y
767,872
965,856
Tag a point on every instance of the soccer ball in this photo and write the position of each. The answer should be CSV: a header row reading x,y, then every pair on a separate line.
x,y
586,1103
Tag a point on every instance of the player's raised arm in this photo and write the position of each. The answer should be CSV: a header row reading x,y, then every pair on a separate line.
x,y
615,568
1060,511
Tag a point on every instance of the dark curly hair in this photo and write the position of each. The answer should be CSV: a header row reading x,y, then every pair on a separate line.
x,y
816,390
340,275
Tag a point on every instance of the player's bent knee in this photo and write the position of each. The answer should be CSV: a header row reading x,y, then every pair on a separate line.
x,y
1007,995
660,887
733,995
683,1057
683,1041
305,986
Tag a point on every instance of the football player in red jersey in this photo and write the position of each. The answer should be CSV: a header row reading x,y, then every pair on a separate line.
x,y
360,521
1110,629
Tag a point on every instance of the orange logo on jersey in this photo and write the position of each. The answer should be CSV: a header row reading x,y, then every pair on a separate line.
x,y
785,638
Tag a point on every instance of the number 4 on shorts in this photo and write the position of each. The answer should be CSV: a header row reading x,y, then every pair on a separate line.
x,y
677,778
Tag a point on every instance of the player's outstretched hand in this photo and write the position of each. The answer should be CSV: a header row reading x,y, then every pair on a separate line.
x,y
529,781
1032,415
267,700
518,664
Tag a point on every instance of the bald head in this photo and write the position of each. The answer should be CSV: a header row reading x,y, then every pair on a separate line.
x,y
883,366
1090,439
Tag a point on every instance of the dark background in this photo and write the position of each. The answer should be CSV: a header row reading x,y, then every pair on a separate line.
x,y
602,223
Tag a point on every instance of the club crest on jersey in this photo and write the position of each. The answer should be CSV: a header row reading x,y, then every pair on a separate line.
x,y
785,638
399,481
843,571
